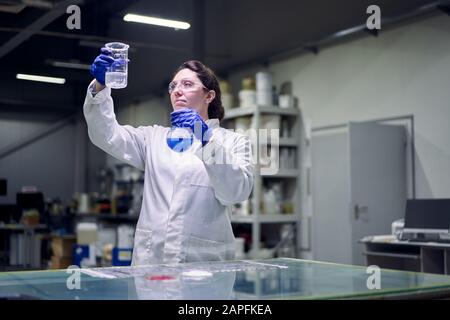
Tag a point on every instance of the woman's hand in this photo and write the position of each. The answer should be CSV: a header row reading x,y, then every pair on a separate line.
x,y
188,118
100,65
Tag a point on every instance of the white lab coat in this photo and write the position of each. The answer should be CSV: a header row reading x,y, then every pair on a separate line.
x,y
187,196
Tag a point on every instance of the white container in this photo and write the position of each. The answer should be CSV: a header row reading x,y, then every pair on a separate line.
x,y
264,98
245,208
270,122
87,233
106,236
286,101
269,157
397,227
242,124
227,100
263,81
240,247
83,203
247,98
271,205
225,87
125,236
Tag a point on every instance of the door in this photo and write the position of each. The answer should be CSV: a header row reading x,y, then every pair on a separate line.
x,y
331,224
377,180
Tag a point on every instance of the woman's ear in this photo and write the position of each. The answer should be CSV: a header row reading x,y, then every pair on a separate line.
x,y
210,96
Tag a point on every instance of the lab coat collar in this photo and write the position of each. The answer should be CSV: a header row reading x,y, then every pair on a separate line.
x,y
212,123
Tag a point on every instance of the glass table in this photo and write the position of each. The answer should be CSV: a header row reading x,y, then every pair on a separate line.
x,y
280,278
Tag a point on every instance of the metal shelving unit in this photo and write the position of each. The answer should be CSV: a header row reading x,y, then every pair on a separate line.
x,y
291,176
108,217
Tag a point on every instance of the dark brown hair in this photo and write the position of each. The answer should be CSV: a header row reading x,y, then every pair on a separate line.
x,y
209,80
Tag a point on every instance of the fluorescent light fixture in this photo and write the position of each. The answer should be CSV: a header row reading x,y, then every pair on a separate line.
x,y
156,21
31,77
69,64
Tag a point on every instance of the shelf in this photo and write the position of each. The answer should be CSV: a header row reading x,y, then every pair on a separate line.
x,y
392,255
107,216
129,181
241,112
266,218
288,142
22,227
283,142
283,173
289,178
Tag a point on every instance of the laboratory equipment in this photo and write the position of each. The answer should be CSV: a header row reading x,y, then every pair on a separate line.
x,y
426,219
84,255
122,256
286,101
180,139
117,74
240,248
227,97
271,205
397,227
125,236
83,204
286,246
427,215
247,96
105,178
86,233
243,124
264,93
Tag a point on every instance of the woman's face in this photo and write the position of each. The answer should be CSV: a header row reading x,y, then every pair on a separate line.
x,y
189,92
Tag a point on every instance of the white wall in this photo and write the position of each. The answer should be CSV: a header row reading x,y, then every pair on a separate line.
x,y
48,164
59,164
405,70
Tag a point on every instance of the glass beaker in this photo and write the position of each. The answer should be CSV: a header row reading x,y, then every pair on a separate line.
x,y
116,76
180,139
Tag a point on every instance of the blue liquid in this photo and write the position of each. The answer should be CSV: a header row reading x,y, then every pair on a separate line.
x,y
180,139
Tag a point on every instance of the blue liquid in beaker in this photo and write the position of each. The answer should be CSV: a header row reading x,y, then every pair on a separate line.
x,y
180,139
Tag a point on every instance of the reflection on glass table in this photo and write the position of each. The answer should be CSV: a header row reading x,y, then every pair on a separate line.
x,y
280,278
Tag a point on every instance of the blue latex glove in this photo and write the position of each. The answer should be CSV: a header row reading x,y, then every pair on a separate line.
x,y
101,63
188,118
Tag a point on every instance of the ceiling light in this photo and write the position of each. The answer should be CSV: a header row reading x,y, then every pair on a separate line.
x,y
31,77
68,64
156,21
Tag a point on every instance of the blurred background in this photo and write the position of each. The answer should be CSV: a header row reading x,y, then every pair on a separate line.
x,y
362,114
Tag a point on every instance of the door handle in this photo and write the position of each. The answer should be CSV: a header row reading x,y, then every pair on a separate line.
x,y
356,212
359,210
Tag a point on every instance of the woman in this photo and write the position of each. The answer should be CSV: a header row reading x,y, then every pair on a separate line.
x,y
187,195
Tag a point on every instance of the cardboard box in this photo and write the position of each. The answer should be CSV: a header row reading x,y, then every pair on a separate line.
x,y
61,263
62,246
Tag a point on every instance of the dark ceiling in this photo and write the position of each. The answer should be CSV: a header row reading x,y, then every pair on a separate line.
x,y
225,34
